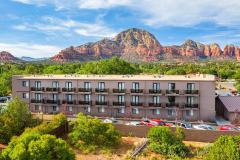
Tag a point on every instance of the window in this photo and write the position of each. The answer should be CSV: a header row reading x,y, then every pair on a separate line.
x,y
121,98
25,83
121,85
101,98
37,108
171,112
189,113
68,85
69,108
156,111
55,97
55,108
190,86
101,109
38,96
156,99
87,109
69,97
87,85
135,85
121,110
171,86
38,84
135,111
101,85
55,84
87,97
156,86
190,100
171,99
25,95
135,99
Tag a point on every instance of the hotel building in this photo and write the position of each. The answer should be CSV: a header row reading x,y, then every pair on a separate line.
x,y
176,97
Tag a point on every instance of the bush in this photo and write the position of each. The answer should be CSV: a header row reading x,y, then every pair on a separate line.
x,y
32,145
225,148
164,141
91,133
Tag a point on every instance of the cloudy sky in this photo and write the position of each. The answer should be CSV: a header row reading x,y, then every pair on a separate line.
x,y
41,28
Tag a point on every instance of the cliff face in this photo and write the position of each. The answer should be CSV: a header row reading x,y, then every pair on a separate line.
x,y
7,57
140,45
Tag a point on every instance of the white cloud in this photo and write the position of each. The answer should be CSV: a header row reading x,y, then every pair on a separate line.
x,y
162,12
30,50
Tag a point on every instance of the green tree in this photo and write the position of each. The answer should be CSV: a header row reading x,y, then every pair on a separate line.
x,y
34,146
91,132
225,148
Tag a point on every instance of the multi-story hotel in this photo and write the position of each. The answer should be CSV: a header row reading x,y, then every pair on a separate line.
x,y
181,97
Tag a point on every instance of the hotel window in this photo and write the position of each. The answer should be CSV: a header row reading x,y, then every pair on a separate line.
x,y
101,85
55,84
156,99
55,97
190,100
121,85
69,108
87,109
87,85
55,108
135,111
87,97
69,97
171,86
189,113
121,98
135,85
101,109
156,86
101,98
171,99
190,86
38,96
121,110
25,95
135,99
38,84
156,111
25,83
171,112
37,108
68,85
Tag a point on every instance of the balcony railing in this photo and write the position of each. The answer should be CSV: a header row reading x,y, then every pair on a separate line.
x,y
154,91
52,101
37,101
172,91
98,90
85,102
191,91
191,105
119,103
37,88
136,104
136,90
101,103
119,90
68,89
48,89
172,105
69,102
84,89
155,105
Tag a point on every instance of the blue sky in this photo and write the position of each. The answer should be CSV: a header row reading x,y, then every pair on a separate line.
x,y
41,28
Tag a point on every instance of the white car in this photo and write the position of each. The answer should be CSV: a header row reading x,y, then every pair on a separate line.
x,y
110,120
203,127
133,123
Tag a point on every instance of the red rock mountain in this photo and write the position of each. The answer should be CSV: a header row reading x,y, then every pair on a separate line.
x,y
7,57
140,45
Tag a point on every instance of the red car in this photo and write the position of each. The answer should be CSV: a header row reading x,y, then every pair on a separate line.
x,y
227,128
153,122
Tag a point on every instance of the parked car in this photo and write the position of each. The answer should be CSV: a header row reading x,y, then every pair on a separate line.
x,y
185,125
153,122
133,123
227,128
203,127
110,120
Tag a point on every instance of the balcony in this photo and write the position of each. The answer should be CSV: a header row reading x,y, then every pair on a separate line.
x,y
119,103
52,101
154,91
84,90
136,90
48,89
69,102
68,89
172,105
172,91
37,88
155,105
119,90
85,102
37,100
98,90
136,104
191,105
101,103
191,91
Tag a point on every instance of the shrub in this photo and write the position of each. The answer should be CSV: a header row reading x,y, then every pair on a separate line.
x,y
164,141
91,133
225,148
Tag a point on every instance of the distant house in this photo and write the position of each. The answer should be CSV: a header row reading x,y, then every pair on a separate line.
x,y
228,107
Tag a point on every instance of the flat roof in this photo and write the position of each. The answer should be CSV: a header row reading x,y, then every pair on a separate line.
x,y
192,77
232,103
